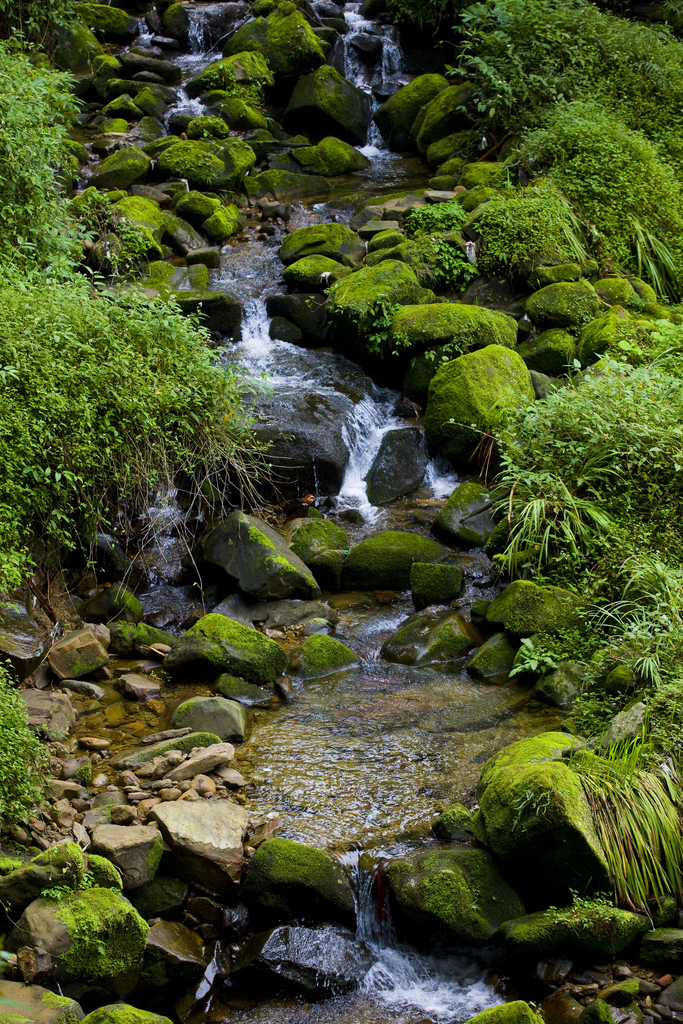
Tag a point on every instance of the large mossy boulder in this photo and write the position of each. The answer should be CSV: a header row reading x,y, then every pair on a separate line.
x,y
284,185
224,718
396,115
335,241
383,561
465,500
517,1012
352,303
321,656
208,163
312,273
75,46
324,104
322,546
458,894
524,608
122,1013
435,584
442,116
581,932
604,334
331,157
286,879
538,821
115,602
94,936
113,23
440,639
62,866
564,304
122,169
284,38
456,324
550,352
246,67
257,559
468,391
218,644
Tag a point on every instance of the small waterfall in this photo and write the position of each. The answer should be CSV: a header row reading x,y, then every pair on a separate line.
x,y
363,434
197,35
382,75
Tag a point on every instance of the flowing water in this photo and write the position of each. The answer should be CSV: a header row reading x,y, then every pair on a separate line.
x,y
361,762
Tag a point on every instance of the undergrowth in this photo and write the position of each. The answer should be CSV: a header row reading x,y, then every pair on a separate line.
x,y
23,758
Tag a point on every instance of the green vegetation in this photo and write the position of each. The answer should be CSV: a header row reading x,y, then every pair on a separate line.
x,y
23,759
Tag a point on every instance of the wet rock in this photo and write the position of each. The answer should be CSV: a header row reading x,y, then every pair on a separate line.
x,y
230,777
399,466
274,614
307,313
661,944
138,687
285,879
584,933
160,896
459,892
284,38
281,329
322,546
435,584
178,949
561,686
245,693
78,654
494,658
395,116
334,241
134,849
441,639
561,1008
50,714
40,1005
321,656
122,169
465,500
524,608
108,953
324,103
223,717
442,116
319,960
205,840
219,312
384,561
285,185
672,996
84,688
217,644
22,641
203,761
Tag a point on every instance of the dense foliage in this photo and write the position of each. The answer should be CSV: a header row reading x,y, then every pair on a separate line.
x,y
23,758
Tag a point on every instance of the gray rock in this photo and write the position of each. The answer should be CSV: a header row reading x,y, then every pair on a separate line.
x,y
202,762
138,687
225,718
182,236
273,614
205,840
561,686
248,694
494,658
469,532
672,996
627,725
22,641
82,687
320,960
441,639
305,312
134,849
77,654
399,466
49,713
183,743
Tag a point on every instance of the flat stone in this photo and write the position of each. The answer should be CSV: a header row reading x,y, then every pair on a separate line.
x,y
183,743
205,839
208,759
167,734
49,713
134,849
373,227
66,789
78,654
93,743
433,195
176,945
230,777
82,687
138,687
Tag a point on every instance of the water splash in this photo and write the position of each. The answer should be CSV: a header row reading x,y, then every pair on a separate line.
x,y
197,35
363,433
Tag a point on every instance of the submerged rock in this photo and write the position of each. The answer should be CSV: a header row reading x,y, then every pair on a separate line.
x,y
440,639
319,960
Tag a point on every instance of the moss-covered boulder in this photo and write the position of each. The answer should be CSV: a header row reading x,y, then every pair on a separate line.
x,y
127,638
207,127
524,608
75,46
469,390
143,212
325,104
196,206
218,644
111,22
440,639
331,157
95,936
586,933
208,164
385,240
435,584
617,291
538,821
312,273
123,107
320,656
225,718
517,1012
561,686
550,352
351,307
239,115
395,116
285,880
37,1005
543,275
384,561
248,694
454,825
223,223
284,38
443,149
257,559
122,1013
62,865
465,500
494,658
455,893
604,334
335,241
104,67
310,537
115,602
245,68
122,169
478,174
455,324
565,304
284,185
661,945
443,115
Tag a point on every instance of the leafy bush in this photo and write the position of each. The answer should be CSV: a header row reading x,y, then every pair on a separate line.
x,y
103,398
23,758
437,217
36,21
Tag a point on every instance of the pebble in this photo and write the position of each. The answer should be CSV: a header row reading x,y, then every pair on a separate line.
x,y
191,795
99,780
169,794
93,743
146,805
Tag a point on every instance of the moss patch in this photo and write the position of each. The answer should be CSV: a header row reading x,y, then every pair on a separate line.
x,y
321,656
384,561
108,936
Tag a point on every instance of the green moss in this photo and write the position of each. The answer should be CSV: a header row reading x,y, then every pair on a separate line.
x,y
474,175
122,1013
286,879
435,584
104,873
547,746
122,169
661,945
465,499
67,858
443,149
352,302
384,561
240,650
159,896
313,536
440,640
123,106
108,936
494,658
470,390
516,1012
586,932
397,114
9,864
240,690
84,774
336,241
223,223
455,326
208,164
550,352
524,608
331,157
116,124
284,38
454,825
442,116
385,240
314,272
542,276
565,304
244,68
452,168
208,127
107,19
241,116
321,655
144,636
608,334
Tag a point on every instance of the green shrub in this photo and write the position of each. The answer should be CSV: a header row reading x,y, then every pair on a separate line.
x,y
437,217
23,759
